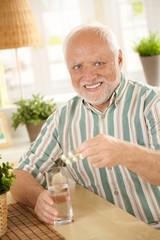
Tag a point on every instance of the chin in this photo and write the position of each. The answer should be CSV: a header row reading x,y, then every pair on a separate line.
x,y
96,102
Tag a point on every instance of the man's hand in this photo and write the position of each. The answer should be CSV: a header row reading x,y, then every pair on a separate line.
x,y
106,151
27,190
44,208
103,151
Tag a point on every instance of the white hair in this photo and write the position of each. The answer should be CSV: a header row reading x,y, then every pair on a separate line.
x,y
101,30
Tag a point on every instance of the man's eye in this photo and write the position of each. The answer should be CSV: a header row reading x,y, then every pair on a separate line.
x,y
97,64
76,67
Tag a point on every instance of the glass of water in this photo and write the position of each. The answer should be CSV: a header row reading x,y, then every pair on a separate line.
x,y
58,189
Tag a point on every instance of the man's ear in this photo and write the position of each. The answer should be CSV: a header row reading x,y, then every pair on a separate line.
x,y
120,58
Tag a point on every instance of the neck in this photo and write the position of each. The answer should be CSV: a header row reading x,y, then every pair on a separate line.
x,y
102,107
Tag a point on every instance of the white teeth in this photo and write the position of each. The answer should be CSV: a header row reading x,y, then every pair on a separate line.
x,y
93,86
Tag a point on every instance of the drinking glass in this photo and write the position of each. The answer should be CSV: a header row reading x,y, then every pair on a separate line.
x,y
58,189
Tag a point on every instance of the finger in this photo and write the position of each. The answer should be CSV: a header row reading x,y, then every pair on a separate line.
x,y
46,217
45,209
89,148
46,198
90,152
100,159
87,144
46,213
97,159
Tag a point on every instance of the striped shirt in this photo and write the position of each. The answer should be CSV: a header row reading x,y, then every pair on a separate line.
x,y
132,115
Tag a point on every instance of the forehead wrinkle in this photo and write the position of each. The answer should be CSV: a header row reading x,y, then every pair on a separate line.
x,y
90,54
82,46
87,48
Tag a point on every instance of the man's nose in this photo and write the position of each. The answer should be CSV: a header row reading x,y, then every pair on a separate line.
x,y
89,73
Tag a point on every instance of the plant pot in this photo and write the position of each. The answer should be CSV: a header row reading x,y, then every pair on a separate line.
x,y
33,130
3,214
151,67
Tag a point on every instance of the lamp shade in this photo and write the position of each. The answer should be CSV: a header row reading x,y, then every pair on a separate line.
x,y
18,26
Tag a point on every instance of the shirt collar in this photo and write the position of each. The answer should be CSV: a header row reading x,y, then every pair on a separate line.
x,y
120,89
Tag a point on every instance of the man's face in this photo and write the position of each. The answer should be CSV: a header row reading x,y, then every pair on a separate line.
x,y
93,67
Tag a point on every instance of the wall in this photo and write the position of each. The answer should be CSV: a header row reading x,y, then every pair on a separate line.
x,y
153,11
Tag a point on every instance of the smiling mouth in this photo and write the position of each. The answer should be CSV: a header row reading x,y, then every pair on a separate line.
x,y
93,86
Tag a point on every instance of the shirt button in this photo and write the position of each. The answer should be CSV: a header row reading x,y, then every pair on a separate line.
x,y
116,192
109,168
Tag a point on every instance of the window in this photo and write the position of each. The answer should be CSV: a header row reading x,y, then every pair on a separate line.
x,y
43,69
58,20
128,20
11,73
133,27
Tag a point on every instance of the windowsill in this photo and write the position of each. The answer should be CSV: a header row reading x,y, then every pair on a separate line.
x,y
61,99
14,152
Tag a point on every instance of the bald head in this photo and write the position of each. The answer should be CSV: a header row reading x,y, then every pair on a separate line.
x,y
95,29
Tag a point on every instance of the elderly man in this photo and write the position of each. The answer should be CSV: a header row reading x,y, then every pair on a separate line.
x,y
113,122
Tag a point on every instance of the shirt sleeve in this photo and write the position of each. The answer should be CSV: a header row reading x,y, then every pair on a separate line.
x,y
153,123
41,154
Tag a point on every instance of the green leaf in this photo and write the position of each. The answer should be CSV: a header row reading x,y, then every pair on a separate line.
x,y
148,46
7,177
33,110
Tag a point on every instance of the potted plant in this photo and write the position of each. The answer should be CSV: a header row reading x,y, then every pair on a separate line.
x,y
148,49
7,178
33,113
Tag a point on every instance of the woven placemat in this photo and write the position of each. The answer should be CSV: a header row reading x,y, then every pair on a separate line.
x,y
23,224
